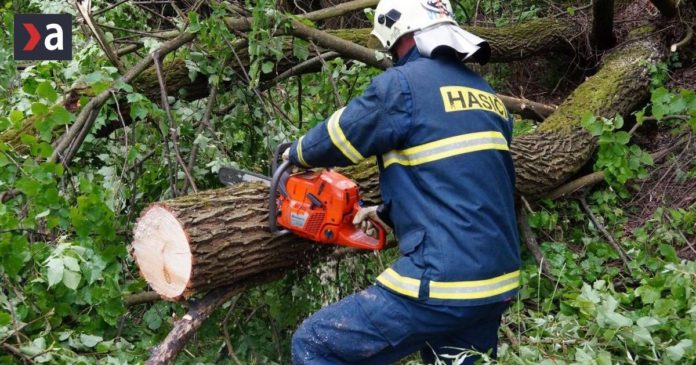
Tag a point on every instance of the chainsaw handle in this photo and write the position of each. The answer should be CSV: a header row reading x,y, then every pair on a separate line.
x,y
279,178
277,156
381,234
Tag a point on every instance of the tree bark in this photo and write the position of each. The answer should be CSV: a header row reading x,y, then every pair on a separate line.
x,y
560,147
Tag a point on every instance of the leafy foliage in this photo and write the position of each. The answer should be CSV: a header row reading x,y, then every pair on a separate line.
x,y
65,269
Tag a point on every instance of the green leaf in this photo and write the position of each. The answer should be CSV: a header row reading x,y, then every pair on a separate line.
x,y
16,116
669,253
618,320
267,67
5,319
61,116
641,335
648,294
39,109
676,352
647,322
89,340
194,24
622,137
46,91
300,49
152,319
71,279
71,263
54,271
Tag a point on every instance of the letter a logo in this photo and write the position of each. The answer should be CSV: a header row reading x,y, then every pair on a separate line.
x,y
43,37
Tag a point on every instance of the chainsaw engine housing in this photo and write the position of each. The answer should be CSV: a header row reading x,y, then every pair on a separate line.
x,y
320,206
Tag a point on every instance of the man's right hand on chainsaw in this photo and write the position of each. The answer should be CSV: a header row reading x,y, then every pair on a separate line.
x,y
366,218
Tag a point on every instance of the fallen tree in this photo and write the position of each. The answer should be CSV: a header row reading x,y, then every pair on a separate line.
x,y
224,239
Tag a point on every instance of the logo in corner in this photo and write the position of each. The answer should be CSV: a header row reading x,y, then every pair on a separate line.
x,y
43,37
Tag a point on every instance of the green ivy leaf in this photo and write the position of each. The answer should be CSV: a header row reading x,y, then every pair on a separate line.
x,y
61,116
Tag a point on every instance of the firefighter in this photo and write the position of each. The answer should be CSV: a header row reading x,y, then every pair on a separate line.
x,y
441,137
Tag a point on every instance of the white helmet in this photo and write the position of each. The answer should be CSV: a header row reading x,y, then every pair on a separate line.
x,y
394,18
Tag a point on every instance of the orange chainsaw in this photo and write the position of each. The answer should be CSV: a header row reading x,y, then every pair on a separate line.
x,y
315,204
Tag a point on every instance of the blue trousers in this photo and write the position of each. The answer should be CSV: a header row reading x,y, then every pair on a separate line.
x,y
376,326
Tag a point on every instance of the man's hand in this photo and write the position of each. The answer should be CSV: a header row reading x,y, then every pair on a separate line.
x,y
364,219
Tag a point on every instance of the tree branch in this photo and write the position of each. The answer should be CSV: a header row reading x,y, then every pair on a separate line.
x,y
140,298
531,242
607,235
527,109
198,312
74,136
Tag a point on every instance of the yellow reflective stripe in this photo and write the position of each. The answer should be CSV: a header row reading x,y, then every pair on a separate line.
x,y
447,147
460,98
400,284
476,289
299,153
339,139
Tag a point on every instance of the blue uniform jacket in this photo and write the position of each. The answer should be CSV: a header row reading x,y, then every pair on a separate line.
x,y
441,137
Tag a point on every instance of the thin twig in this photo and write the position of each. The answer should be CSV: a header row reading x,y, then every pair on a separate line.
x,y
681,234
607,235
172,128
683,42
203,124
226,332
300,68
337,95
108,8
84,10
17,353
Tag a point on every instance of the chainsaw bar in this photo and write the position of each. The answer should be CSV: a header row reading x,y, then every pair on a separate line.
x,y
231,176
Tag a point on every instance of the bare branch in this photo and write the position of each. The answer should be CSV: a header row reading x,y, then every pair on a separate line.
x,y
140,298
156,59
85,11
526,108
531,242
607,235
198,312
